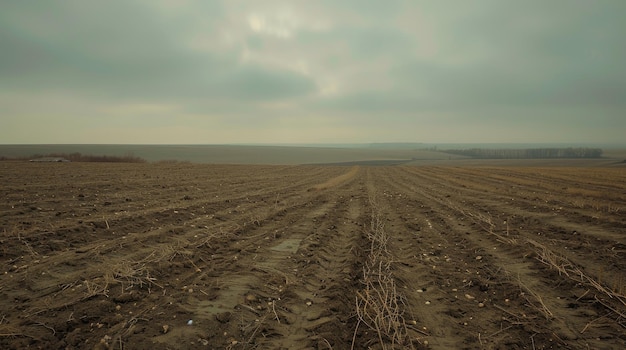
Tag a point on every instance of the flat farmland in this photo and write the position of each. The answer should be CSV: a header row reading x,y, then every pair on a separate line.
x,y
180,256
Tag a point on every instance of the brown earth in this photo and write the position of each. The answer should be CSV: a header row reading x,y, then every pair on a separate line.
x,y
180,256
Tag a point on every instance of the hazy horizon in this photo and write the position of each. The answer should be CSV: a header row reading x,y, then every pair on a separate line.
x,y
324,72
349,144
296,154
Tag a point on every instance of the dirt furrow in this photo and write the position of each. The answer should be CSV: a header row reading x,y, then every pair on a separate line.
x,y
458,295
194,222
562,315
288,295
603,210
325,265
599,240
137,261
417,245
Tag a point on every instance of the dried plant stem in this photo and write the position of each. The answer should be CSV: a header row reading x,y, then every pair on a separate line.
x,y
379,305
544,309
256,329
274,310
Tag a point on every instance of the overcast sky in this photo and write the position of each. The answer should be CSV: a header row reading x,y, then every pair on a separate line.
x,y
328,71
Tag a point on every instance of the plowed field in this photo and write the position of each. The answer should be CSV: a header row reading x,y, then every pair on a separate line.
x,y
182,256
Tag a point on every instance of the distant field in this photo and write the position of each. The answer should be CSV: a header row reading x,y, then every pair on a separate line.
x,y
229,154
579,163
293,155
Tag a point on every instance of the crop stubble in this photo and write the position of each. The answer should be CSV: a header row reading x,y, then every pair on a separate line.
x,y
100,256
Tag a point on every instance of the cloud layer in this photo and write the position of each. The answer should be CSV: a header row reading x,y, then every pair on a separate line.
x,y
168,71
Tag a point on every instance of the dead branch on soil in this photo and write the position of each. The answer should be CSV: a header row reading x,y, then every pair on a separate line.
x,y
486,223
96,287
173,251
7,330
518,319
133,274
124,329
590,323
273,302
619,313
550,258
378,238
30,249
206,241
256,330
543,308
576,274
129,274
379,305
54,332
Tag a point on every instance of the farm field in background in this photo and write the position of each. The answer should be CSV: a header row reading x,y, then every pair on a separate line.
x,y
232,154
178,256
410,154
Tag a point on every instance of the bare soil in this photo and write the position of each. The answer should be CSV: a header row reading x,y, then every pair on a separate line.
x,y
180,256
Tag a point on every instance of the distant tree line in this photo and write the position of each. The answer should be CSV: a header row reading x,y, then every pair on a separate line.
x,y
532,153
78,157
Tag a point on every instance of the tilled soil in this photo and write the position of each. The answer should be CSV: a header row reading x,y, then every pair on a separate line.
x,y
181,256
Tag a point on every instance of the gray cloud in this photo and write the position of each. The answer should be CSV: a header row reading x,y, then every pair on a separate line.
x,y
120,50
507,53
325,65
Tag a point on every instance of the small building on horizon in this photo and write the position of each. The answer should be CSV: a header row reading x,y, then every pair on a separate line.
x,y
50,160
